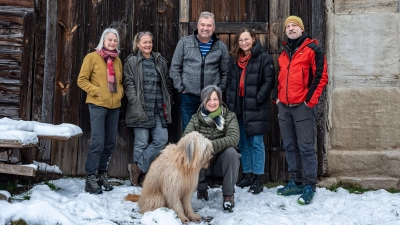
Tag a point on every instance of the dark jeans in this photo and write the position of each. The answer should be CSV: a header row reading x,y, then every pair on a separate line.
x,y
297,130
226,166
189,106
104,129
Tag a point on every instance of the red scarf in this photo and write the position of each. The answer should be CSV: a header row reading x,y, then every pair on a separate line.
x,y
109,56
242,63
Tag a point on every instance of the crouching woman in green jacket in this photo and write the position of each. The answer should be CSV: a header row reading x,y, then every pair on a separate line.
x,y
214,120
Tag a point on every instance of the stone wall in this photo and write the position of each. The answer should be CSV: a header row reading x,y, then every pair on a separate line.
x,y
364,90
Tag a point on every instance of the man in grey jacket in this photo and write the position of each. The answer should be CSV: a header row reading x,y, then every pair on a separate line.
x,y
199,60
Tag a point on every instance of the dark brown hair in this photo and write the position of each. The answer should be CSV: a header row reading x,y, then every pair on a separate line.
x,y
236,50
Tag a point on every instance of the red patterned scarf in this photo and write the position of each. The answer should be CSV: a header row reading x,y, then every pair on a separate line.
x,y
242,63
109,56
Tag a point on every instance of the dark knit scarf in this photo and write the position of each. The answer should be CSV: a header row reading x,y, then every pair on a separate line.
x,y
213,117
242,63
109,56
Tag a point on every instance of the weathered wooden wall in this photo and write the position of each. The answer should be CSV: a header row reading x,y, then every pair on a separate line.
x,y
50,77
16,42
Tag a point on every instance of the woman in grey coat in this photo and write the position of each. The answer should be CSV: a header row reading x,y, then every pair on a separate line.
x,y
149,90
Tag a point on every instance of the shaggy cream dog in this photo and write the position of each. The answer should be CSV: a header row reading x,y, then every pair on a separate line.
x,y
173,177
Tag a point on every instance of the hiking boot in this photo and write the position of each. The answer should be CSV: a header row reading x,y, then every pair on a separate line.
x,y
257,185
291,188
246,181
307,196
134,172
228,202
103,182
141,179
91,185
202,195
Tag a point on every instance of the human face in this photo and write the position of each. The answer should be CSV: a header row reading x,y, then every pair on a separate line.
x,y
293,31
246,42
145,45
110,41
205,28
213,102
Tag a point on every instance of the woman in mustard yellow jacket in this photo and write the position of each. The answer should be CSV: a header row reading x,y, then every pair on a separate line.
x,y
101,78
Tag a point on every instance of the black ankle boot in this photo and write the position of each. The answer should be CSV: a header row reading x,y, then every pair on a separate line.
x,y
257,185
246,181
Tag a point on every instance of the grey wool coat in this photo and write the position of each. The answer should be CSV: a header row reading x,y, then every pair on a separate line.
x,y
133,86
191,72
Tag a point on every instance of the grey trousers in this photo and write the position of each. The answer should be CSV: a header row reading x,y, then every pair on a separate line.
x,y
104,130
144,152
226,166
297,130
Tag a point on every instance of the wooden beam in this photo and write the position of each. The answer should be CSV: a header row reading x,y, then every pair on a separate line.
x,y
59,138
14,144
17,170
49,71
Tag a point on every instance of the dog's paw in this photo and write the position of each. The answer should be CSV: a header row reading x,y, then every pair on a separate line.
x,y
184,219
195,217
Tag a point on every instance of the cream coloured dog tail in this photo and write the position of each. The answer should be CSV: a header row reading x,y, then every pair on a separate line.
x,y
132,197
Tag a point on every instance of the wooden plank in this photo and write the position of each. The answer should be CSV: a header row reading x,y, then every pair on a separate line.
x,y
50,61
233,27
277,164
225,10
278,11
198,6
59,138
301,8
257,11
17,170
38,70
9,111
318,28
14,144
21,3
27,66
167,40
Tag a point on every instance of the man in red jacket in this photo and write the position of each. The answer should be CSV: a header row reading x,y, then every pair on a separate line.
x,y
301,80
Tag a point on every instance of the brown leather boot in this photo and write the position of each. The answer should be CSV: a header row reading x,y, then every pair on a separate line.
x,y
134,172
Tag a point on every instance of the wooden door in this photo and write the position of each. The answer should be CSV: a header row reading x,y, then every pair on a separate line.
x,y
266,18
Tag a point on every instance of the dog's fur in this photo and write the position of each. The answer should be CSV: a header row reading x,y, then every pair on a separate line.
x,y
173,177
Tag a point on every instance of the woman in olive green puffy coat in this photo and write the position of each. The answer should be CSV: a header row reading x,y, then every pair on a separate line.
x,y
214,120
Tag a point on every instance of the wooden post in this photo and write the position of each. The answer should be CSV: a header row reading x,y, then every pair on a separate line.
x,y
318,24
49,71
279,11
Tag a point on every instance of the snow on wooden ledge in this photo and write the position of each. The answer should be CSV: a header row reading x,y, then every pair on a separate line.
x,y
27,132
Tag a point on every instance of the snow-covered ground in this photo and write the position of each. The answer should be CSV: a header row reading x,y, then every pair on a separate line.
x,y
71,205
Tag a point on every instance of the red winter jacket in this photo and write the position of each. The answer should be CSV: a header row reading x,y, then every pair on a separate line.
x,y
302,77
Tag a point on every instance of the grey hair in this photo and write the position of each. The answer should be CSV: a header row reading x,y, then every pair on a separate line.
x,y
138,37
206,94
105,32
206,15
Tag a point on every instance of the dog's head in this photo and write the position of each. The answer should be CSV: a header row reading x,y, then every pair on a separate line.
x,y
198,150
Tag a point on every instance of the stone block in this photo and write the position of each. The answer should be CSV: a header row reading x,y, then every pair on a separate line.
x,y
365,118
365,6
365,50
364,163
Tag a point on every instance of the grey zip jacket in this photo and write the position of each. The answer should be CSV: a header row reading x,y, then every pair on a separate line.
x,y
133,86
191,72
